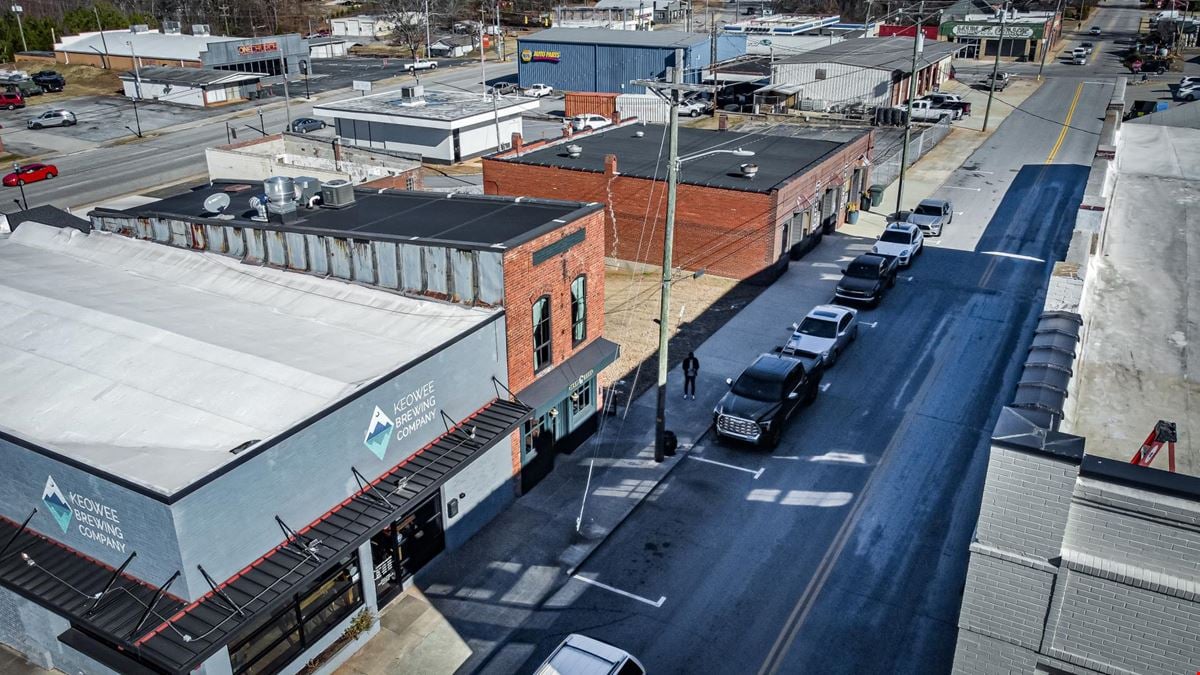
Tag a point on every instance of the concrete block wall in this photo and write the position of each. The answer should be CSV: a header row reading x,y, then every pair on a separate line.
x,y
977,654
1005,599
1025,502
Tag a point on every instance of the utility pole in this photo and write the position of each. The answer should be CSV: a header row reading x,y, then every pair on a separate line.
x,y
225,16
100,27
287,99
867,21
428,43
137,87
918,43
1079,24
499,36
987,111
17,9
1046,39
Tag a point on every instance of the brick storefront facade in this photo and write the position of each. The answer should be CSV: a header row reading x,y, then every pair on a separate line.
x,y
734,233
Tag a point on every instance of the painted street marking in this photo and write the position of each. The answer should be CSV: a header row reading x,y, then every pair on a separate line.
x,y
963,168
908,278
1015,256
825,387
958,213
796,457
868,324
631,596
728,466
959,187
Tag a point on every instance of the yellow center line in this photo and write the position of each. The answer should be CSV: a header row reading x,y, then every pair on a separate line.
x,y
1062,135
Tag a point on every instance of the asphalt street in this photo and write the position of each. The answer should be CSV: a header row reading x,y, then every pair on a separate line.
x,y
844,550
88,176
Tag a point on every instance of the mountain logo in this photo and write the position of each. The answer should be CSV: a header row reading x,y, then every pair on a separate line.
x,y
379,433
59,508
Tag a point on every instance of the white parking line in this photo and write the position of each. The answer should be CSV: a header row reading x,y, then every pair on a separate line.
x,y
868,324
959,187
1015,256
796,457
631,596
963,168
729,466
825,386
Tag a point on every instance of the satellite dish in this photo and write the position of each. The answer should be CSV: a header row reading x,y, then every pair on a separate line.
x,y
216,203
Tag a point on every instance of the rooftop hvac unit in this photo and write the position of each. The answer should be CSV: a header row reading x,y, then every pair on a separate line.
x,y
412,94
337,193
307,187
281,194
201,29
139,28
170,27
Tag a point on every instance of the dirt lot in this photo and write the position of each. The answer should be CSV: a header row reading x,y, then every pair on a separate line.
x,y
81,81
698,308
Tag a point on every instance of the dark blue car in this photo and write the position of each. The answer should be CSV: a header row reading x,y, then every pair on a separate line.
x,y
303,125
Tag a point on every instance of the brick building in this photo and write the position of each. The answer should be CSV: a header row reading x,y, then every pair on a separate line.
x,y
287,416
733,221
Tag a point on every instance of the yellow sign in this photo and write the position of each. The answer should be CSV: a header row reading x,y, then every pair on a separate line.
x,y
533,55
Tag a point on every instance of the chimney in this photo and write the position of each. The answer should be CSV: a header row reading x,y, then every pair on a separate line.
x,y
517,143
610,165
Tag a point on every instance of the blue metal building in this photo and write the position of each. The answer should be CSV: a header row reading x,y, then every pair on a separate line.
x,y
602,60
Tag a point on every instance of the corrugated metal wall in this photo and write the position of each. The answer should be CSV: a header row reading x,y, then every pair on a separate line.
x,y
645,107
583,102
608,68
836,84
463,276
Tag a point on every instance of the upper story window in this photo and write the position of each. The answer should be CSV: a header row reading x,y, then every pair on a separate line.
x,y
541,333
579,309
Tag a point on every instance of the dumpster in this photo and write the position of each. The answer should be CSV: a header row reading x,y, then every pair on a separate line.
x,y
876,192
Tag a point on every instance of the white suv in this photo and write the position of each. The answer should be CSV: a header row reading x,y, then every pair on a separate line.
x,y
589,122
900,240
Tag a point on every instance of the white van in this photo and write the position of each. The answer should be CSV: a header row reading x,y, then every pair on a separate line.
x,y
582,655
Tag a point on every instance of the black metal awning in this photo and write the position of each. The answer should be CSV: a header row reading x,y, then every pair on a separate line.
x,y
582,366
175,638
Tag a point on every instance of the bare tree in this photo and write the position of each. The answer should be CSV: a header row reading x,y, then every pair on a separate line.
x,y
408,23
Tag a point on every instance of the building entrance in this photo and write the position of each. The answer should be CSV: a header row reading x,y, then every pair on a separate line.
x,y
405,546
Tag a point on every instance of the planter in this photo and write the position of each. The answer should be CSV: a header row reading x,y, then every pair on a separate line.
x,y
852,217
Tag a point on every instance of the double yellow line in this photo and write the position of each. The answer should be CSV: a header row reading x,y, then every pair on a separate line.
x,y
1062,135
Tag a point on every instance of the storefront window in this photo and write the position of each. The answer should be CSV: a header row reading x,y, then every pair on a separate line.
x,y
272,641
541,333
581,400
579,309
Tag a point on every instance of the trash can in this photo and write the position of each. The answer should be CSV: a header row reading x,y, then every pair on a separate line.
x,y
876,192
670,442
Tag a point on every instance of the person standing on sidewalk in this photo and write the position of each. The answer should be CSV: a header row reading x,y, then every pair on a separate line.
x,y
691,368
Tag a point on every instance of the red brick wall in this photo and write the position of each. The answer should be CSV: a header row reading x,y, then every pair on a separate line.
x,y
803,192
726,232
399,181
524,283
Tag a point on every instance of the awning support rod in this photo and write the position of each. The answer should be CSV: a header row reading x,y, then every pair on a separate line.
x,y
218,592
150,608
498,385
95,606
290,537
15,535
370,492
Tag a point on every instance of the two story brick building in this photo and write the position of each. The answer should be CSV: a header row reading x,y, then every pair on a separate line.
x,y
737,216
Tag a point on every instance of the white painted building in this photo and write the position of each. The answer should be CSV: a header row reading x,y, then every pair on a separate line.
x,y
328,48
196,87
326,159
783,35
442,126
362,26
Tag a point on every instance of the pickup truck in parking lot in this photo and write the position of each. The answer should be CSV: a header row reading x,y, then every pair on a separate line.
x,y
926,111
762,399
949,102
867,278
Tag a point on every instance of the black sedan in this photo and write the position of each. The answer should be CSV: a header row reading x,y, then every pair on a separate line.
x,y
303,125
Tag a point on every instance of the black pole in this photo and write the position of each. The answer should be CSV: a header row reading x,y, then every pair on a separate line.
x,y
136,118
24,203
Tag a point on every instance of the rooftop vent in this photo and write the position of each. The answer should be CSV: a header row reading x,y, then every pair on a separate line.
x,y
170,27
139,28
749,170
574,151
413,94
281,194
639,134
201,29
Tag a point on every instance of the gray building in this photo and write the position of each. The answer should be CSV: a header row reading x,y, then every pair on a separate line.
x,y
269,56
215,467
602,60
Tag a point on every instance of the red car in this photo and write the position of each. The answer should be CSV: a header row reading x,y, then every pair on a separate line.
x,y
30,173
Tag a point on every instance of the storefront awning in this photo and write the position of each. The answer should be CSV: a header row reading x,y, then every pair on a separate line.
x,y
556,384
175,637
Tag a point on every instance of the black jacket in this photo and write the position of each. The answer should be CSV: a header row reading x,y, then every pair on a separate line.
x,y
693,363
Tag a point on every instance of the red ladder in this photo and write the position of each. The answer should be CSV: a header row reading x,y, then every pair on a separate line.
x,y
1164,432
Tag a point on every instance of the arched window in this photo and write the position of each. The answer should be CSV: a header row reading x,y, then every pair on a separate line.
x,y
541,333
579,309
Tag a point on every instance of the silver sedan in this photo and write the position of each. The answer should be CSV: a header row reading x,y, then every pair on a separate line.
x,y
825,332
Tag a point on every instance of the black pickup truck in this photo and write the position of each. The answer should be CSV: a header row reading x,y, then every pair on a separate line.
x,y
867,278
763,398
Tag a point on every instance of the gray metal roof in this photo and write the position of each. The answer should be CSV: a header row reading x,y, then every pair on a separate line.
x,y
195,77
890,53
151,45
778,158
659,39
1186,116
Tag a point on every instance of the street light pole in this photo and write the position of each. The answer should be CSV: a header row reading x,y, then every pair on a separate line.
x,y
429,44
664,305
137,86
987,111
287,99
1046,39
17,9
918,43
20,184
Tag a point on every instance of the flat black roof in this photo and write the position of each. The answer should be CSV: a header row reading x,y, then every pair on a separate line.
x,y
778,157
462,221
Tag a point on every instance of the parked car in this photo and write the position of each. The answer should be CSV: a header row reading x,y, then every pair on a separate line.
x,y
1095,30
539,90
931,215
582,655
867,278
50,80
763,398
925,111
589,122
1187,92
26,88
1002,81
900,240
303,125
30,173
10,100
695,107
823,335
1087,47
504,88
52,118
949,102
1189,79
420,64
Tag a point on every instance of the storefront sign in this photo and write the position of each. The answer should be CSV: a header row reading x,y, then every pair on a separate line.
x,y
92,518
411,412
992,31
258,48
544,55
